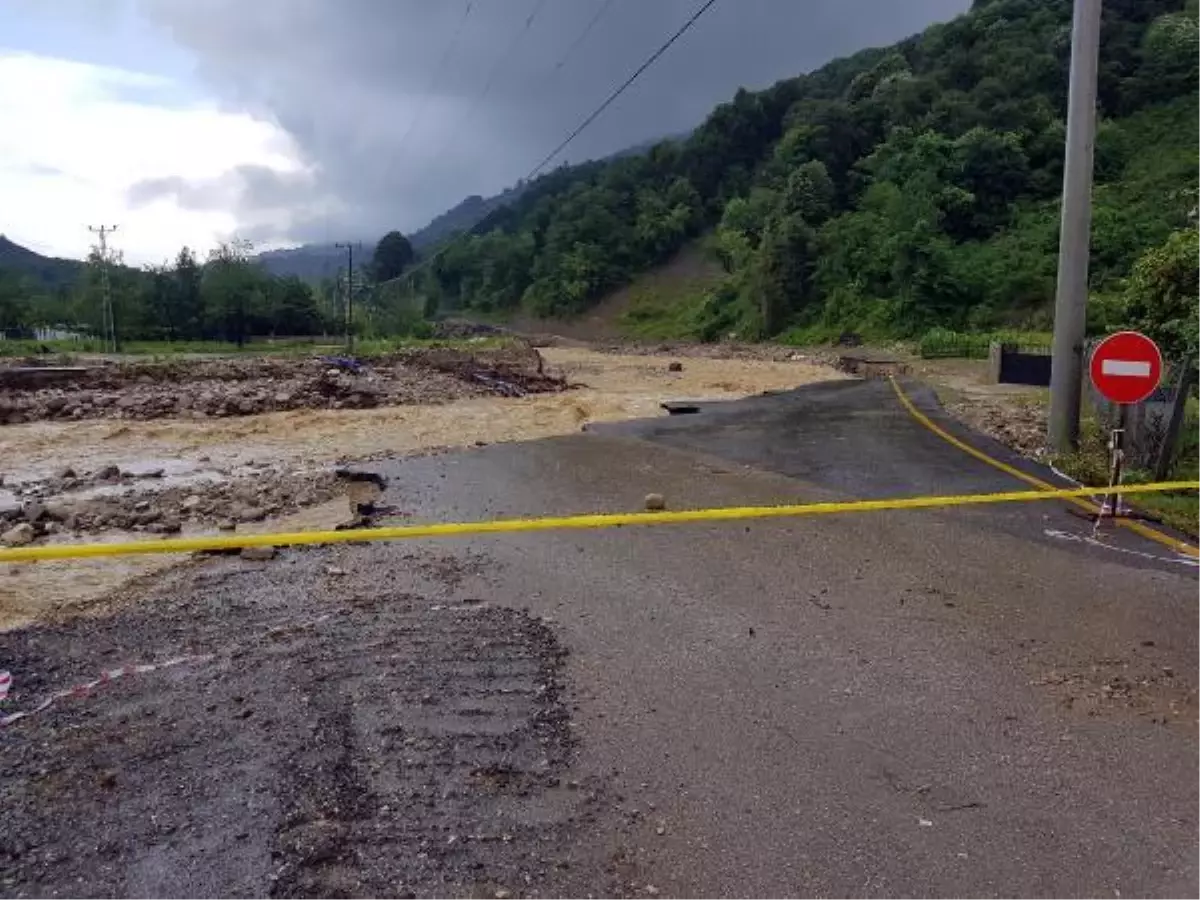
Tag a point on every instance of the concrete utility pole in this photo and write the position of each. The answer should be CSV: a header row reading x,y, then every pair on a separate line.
x,y
349,248
108,319
1070,302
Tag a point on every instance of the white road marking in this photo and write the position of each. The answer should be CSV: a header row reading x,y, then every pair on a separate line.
x,y
1083,539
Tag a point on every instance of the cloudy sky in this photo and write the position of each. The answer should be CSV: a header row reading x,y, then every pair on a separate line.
x,y
287,121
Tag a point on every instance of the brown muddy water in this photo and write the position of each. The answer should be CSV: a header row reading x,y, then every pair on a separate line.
x,y
613,388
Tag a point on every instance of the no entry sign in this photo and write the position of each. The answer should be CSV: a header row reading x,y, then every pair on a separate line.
x,y
1126,367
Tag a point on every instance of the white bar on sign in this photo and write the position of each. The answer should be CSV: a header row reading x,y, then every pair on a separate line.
x,y
1128,367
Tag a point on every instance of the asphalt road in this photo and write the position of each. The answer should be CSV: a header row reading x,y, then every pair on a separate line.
x,y
905,703
957,702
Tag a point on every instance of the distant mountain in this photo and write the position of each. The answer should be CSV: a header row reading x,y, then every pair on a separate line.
x,y
463,216
48,271
313,262
474,208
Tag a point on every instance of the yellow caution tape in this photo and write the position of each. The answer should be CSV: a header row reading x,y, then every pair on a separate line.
x,y
1086,504
548,523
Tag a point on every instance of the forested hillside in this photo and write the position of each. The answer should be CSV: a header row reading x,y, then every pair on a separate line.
x,y
43,271
895,190
227,297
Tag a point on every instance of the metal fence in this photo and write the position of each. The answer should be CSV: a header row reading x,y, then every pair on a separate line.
x,y
955,345
1146,422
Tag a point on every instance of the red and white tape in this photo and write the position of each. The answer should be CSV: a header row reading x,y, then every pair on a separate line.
x,y
106,677
111,675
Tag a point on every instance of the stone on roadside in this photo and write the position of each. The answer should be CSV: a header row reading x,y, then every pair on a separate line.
x,y
249,514
655,502
258,554
34,511
18,535
192,501
108,473
66,473
10,506
675,367
227,525
59,510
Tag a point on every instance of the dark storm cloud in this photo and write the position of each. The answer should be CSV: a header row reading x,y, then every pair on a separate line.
x,y
246,189
353,82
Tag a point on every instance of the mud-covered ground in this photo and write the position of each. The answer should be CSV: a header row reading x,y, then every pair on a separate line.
x,y
31,391
364,733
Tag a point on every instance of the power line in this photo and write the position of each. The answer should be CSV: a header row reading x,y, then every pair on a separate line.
x,y
436,75
574,134
493,75
583,35
488,82
619,91
537,8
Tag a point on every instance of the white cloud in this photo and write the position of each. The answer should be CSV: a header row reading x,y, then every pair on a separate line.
x,y
77,136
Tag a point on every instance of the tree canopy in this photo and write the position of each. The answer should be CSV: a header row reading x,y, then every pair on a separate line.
x,y
392,256
893,190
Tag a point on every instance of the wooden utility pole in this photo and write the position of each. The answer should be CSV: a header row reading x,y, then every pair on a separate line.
x,y
108,319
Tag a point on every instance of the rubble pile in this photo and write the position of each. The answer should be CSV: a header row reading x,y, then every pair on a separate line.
x,y
513,370
1021,426
199,389
109,499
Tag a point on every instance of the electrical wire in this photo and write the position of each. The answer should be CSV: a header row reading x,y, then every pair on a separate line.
x,y
619,91
492,75
491,79
583,35
595,114
435,77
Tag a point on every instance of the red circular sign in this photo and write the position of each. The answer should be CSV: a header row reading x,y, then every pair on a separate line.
x,y
1126,367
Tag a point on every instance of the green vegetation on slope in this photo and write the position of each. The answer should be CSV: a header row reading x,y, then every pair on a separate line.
x,y
897,190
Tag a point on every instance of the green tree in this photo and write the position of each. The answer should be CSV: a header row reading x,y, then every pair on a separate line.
x,y
14,301
392,256
1168,59
160,302
293,307
1162,298
232,290
809,193
781,278
189,300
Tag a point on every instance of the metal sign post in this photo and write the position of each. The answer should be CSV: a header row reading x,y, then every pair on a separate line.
x,y
1126,368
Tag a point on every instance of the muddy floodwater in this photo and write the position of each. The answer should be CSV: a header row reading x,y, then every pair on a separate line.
x,y
613,387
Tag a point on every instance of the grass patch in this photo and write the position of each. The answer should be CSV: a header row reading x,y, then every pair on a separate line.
x,y
670,301
656,313
1178,509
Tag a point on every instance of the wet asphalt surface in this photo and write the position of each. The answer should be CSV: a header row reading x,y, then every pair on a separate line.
x,y
948,702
